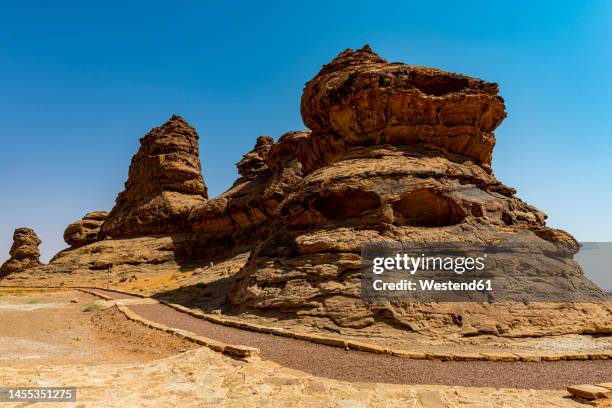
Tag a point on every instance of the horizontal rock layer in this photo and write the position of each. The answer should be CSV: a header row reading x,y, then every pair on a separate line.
x,y
366,100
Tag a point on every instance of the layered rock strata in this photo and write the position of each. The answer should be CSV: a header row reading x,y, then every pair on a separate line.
x,y
24,252
366,100
164,182
267,174
87,230
398,154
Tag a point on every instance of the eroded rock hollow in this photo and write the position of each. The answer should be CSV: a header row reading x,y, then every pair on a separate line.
x,y
397,153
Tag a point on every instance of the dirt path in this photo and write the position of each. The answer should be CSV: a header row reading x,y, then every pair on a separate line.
x,y
333,362
63,327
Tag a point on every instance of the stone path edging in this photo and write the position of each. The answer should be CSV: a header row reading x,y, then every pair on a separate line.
x,y
230,349
364,346
374,348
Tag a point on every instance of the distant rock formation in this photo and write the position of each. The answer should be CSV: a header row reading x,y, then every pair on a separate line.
x,y
86,230
24,252
164,182
253,163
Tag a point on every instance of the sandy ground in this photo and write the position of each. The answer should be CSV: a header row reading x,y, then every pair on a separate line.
x,y
203,378
204,288
52,328
200,289
119,363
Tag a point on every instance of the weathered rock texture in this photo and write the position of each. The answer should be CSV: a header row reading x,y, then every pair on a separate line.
x,y
86,230
24,252
397,153
365,100
254,162
266,174
164,183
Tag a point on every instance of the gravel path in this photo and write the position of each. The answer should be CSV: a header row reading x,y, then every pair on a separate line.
x,y
334,362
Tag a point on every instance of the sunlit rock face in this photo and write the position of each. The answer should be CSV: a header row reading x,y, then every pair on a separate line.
x,y
395,153
401,154
366,100
164,183
86,230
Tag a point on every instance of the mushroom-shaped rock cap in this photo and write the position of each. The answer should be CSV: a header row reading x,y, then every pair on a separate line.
x,y
364,99
86,230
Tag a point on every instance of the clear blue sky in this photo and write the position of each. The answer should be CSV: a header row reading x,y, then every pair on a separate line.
x,y
81,82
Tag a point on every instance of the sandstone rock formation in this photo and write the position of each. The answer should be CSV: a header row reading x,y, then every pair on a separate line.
x,y
254,162
24,252
266,174
365,101
397,153
164,183
86,230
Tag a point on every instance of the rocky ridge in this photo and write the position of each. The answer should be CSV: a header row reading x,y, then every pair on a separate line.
x,y
401,154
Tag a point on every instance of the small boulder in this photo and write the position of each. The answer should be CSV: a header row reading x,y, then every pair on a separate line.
x,y
86,230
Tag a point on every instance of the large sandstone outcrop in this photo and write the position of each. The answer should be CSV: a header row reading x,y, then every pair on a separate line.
x,y
402,154
396,153
24,252
164,183
366,100
86,230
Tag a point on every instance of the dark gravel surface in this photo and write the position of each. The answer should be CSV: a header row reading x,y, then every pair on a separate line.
x,y
115,295
334,362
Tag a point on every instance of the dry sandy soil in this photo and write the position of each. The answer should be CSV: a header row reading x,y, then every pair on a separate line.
x,y
52,328
48,340
204,288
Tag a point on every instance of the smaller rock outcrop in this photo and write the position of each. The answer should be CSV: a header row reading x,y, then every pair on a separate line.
x,y
267,173
164,183
86,230
254,162
24,252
